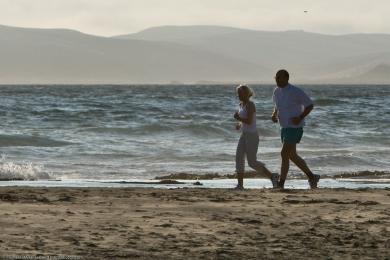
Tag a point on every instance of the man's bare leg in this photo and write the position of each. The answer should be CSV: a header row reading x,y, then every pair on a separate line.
x,y
285,153
240,179
300,163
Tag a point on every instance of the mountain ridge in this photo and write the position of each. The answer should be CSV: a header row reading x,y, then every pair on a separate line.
x,y
189,54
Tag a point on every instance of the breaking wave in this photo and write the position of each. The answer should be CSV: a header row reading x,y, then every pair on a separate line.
x,y
21,171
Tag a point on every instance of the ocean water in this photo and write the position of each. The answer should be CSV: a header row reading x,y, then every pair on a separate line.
x,y
140,132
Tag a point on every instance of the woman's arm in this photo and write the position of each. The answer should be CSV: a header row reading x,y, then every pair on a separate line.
x,y
251,109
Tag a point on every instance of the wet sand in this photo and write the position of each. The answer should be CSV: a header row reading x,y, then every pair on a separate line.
x,y
148,223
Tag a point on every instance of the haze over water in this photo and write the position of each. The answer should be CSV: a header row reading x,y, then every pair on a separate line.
x,y
126,132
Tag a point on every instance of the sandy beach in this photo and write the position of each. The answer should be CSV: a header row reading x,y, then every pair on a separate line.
x,y
192,223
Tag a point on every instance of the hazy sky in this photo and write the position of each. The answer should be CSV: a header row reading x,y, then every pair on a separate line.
x,y
111,17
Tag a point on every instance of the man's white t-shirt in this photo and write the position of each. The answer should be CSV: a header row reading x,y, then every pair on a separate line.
x,y
290,102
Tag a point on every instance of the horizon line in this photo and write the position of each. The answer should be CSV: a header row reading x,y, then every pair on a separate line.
x,y
193,25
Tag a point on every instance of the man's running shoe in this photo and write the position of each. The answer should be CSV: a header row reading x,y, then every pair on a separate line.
x,y
314,181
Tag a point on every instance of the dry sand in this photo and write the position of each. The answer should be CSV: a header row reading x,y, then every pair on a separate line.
x,y
147,223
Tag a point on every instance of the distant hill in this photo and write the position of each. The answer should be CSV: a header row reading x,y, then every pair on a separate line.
x,y
310,56
65,56
379,74
190,54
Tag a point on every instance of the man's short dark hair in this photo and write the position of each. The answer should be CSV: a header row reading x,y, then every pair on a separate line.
x,y
284,72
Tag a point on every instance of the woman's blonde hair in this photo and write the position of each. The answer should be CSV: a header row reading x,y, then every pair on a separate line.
x,y
245,88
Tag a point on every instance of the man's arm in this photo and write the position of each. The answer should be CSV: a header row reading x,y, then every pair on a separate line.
x,y
297,120
306,112
274,116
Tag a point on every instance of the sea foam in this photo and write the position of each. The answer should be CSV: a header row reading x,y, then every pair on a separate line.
x,y
21,171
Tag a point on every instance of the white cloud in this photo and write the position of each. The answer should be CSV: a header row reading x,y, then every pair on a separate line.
x,y
112,17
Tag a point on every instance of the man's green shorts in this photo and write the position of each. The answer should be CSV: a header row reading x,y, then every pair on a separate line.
x,y
291,135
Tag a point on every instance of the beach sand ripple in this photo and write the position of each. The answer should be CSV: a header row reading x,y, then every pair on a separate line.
x,y
148,223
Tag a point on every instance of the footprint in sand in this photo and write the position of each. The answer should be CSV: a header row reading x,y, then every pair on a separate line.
x,y
70,212
165,225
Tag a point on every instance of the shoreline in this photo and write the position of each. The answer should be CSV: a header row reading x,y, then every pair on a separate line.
x,y
152,223
249,183
182,176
